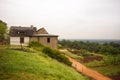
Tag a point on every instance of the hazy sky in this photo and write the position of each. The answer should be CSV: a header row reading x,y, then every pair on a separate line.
x,y
73,19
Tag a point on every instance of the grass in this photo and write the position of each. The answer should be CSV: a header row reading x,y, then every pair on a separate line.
x,y
108,66
19,65
71,55
108,70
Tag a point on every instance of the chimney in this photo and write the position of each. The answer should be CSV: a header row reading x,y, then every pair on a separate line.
x,y
31,26
34,28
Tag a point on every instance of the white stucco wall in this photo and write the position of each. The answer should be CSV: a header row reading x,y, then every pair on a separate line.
x,y
16,41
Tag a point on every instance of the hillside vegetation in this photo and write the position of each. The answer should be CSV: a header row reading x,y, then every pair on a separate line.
x,y
104,48
20,65
103,57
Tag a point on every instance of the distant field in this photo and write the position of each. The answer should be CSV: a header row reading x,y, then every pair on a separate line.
x,y
19,65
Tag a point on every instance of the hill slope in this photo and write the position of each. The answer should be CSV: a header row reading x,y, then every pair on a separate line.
x,y
19,65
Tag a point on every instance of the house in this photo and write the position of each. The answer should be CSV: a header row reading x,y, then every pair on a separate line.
x,y
23,35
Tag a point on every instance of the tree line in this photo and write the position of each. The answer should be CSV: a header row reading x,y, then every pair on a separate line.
x,y
105,48
3,32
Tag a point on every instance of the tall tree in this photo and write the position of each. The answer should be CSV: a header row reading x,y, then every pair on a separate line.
x,y
3,30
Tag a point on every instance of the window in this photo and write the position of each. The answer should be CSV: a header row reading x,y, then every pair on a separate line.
x,y
22,40
48,40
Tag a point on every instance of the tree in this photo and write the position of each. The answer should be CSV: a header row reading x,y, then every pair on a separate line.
x,y
3,30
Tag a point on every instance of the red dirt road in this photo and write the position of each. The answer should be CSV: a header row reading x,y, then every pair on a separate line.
x,y
86,71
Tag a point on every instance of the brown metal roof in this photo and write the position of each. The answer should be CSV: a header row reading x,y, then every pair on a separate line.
x,y
29,31
22,31
22,28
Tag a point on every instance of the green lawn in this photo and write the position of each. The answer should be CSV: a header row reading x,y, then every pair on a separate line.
x,y
19,65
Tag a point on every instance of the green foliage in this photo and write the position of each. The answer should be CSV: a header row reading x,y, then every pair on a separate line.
x,y
112,59
107,60
35,44
50,52
84,53
3,29
95,64
111,48
106,48
56,55
108,66
28,49
60,46
110,52
19,65
90,46
108,70
66,52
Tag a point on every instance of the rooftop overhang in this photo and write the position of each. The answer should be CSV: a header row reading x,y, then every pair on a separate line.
x,y
44,35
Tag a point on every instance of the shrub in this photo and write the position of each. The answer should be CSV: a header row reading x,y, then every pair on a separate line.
x,y
50,52
56,55
60,46
35,44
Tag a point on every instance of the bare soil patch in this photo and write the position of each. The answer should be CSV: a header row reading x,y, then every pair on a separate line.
x,y
87,59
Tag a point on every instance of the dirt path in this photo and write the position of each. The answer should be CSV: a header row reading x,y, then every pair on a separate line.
x,y
86,71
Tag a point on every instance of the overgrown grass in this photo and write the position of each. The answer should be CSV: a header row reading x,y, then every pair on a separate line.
x,y
56,55
71,54
19,65
107,60
53,53
108,70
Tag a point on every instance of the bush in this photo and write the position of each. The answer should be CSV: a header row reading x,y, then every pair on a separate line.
x,y
111,59
35,44
50,52
56,55
60,46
